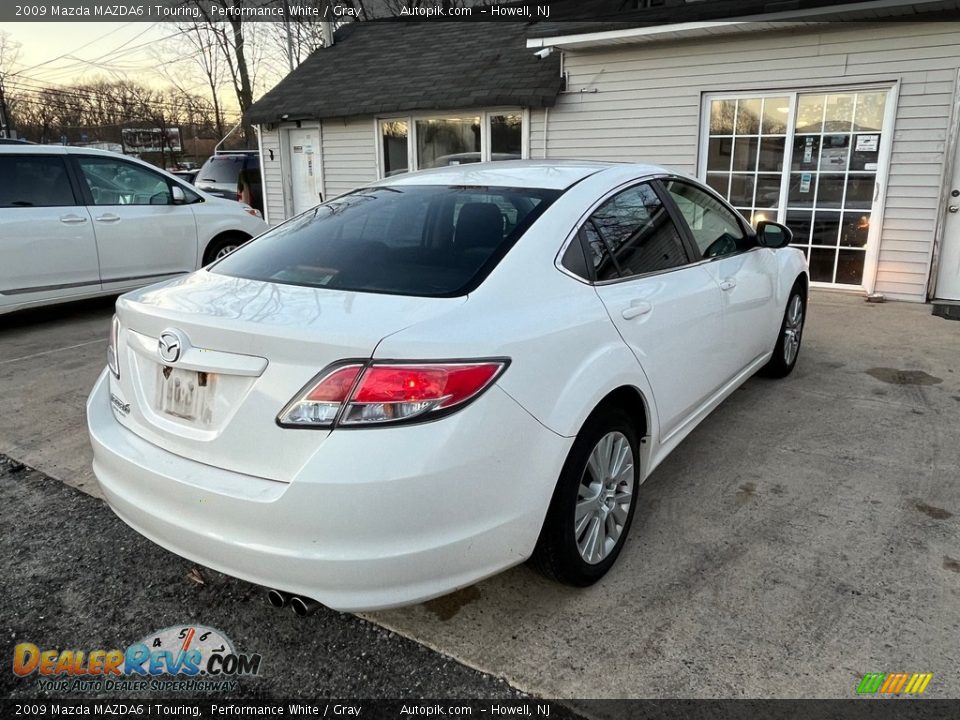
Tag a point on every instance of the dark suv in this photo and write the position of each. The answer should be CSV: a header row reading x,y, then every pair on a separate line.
x,y
234,175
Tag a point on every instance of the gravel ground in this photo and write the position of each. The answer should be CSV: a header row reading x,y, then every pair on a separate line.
x,y
74,576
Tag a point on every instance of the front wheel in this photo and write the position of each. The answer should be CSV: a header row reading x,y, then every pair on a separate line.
x,y
593,504
787,349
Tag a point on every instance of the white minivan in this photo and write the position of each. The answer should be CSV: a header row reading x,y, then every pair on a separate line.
x,y
77,222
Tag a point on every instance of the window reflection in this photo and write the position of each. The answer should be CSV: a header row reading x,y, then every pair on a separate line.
x,y
506,137
394,134
448,141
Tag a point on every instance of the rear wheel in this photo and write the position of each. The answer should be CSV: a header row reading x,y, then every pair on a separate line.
x,y
592,507
223,245
787,350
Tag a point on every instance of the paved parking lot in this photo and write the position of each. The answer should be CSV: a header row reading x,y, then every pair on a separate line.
x,y
806,533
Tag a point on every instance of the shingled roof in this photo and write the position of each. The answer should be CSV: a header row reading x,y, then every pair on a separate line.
x,y
385,67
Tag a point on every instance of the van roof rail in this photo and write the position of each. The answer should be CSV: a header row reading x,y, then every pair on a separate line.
x,y
218,151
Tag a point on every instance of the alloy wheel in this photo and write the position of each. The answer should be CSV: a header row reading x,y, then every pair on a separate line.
x,y
604,497
793,329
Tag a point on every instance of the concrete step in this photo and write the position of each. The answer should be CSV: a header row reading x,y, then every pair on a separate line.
x,y
949,309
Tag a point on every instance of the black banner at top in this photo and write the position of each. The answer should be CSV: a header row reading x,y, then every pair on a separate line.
x,y
632,12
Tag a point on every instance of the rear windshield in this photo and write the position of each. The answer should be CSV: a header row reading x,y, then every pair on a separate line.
x,y
406,240
224,169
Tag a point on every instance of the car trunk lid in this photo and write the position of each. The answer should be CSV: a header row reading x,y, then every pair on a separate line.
x,y
208,361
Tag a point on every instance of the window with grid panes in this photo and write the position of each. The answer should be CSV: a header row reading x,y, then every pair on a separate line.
x,y
825,148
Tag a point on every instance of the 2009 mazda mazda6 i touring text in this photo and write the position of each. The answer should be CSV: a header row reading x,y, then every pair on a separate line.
x,y
443,374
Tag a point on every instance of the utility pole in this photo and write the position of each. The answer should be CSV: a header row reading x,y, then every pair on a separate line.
x,y
4,114
286,26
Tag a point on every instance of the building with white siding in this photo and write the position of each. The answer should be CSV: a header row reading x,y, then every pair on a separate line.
x,y
844,130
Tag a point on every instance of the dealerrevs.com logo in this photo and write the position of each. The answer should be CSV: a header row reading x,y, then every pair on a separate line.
x,y
190,658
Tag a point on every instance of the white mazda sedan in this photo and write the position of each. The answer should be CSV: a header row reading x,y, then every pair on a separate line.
x,y
424,382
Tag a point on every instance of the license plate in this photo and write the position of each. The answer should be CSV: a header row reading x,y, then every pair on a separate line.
x,y
184,393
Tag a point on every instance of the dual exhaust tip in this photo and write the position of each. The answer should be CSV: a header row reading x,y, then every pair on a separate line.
x,y
301,606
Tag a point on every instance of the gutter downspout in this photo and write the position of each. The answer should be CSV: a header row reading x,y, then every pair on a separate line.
x,y
326,33
263,174
546,125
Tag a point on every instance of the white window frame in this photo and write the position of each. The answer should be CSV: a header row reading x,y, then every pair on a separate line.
x,y
484,115
892,87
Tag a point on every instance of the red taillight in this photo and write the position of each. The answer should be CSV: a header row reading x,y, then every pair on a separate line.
x,y
320,403
335,387
389,392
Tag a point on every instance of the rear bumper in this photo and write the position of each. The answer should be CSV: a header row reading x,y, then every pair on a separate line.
x,y
376,518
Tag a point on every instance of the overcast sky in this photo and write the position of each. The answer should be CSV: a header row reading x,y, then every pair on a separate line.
x,y
59,48
63,53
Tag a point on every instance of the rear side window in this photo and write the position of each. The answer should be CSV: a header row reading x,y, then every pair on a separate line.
x,y
632,234
407,240
222,169
34,181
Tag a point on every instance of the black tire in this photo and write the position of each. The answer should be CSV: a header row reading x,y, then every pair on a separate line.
x,y
783,362
230,242
557,554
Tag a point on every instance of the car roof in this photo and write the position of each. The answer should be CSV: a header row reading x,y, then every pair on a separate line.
x,y
548,174
30,149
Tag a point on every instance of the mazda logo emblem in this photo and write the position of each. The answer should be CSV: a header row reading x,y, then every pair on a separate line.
x,y
170,346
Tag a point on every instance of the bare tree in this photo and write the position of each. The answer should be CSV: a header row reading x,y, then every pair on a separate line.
x,y
101,109
229,37
9,54
197,44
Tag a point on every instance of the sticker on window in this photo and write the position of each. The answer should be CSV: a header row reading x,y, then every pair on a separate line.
x,y
867,143
805,182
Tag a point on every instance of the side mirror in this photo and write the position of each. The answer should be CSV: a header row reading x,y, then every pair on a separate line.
x,y
773,235
178,195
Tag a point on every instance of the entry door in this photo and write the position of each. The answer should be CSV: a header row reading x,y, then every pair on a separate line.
x,y
813,160
305,180
948,280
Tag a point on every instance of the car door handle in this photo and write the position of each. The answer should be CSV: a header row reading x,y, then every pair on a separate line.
x,y
72,219
636,309
728,284
108,218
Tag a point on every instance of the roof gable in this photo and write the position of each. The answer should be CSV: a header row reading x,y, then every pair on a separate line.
x,y
387,67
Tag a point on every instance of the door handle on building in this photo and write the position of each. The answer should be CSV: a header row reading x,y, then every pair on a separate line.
x,y
953,209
